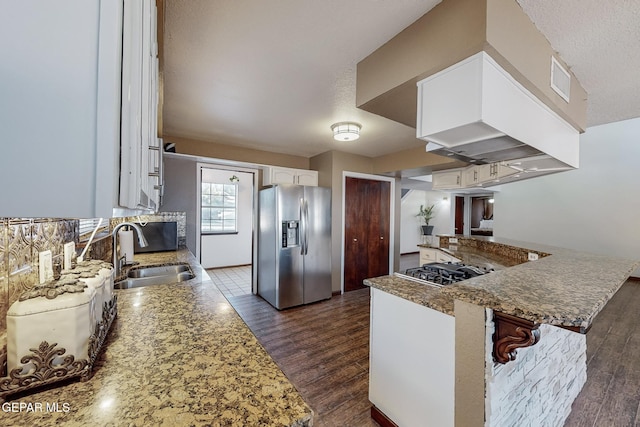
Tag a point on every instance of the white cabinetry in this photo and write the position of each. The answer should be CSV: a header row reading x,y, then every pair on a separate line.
x,y
442,257
428,255
307,177
141,151
472,176
278,175
60,97
60,103
447,179
502,171
485,174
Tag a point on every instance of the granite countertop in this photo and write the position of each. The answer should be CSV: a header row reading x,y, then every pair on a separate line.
x,y
408,289
176,355
567,288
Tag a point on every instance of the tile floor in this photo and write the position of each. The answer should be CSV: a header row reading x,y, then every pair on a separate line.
x,y
232,281
236,281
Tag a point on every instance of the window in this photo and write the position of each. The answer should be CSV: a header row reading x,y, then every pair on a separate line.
x,y
219,208
86,227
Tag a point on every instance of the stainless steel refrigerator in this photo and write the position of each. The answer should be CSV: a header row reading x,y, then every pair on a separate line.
x,y
294,245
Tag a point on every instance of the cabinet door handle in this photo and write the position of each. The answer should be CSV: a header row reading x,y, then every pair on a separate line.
x,y
475,176
458,180
381,237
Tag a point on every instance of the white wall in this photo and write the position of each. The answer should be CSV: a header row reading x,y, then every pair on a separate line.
x,y
230,249
410,234
595,208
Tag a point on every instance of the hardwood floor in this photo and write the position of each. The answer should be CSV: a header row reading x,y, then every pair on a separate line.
x,y
611,396
323,349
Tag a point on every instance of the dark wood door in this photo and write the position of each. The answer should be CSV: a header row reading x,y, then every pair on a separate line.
x,y
459,224
354,234
367,229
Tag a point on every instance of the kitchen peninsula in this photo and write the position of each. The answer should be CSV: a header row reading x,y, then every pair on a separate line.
x,y
445,352
176,355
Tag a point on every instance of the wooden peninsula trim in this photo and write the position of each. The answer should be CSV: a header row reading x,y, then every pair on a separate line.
x,y
512,333
378,416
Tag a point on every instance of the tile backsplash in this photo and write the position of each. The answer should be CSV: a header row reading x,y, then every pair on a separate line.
x,y
21,240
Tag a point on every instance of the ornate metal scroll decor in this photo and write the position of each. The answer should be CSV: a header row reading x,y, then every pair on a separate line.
x,y
96,340
3,362
512,333
47,364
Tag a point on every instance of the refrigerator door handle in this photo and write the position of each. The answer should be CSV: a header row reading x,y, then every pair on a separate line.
x,y
304,227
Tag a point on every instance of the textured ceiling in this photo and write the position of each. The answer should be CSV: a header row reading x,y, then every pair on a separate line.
x,y
274,75
600,40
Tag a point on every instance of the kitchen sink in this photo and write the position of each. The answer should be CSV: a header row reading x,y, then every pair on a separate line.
x,y
160,275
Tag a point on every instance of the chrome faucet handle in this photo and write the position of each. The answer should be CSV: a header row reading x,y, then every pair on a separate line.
x,y
122,261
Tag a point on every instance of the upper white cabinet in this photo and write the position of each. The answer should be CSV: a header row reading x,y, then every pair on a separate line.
x,y
446,180
141,151
485,175
277,175
472,176
60,106
306,177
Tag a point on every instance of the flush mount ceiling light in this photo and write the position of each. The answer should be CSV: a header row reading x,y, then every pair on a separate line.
x,y
346,131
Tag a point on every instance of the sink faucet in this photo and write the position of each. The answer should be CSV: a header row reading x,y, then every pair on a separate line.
x,y
141,240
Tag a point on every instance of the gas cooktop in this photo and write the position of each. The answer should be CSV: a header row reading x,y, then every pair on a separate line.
x,y
441,273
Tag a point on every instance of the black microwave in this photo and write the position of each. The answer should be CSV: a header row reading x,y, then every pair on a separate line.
x,y
161,236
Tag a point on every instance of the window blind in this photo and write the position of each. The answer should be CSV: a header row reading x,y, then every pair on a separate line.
x,y
87,226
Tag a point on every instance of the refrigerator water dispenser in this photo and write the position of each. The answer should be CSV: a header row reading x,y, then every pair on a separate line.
x,y
290,233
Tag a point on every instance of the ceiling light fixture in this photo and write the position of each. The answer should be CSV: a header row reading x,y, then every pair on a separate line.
x,y
346,131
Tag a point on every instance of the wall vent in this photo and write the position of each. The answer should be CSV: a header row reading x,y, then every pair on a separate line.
x,y
560,79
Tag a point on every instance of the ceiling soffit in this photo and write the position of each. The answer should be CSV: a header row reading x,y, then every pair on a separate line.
x,y
450,32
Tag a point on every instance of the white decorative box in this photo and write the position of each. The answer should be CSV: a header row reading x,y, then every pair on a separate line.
x,y
67,320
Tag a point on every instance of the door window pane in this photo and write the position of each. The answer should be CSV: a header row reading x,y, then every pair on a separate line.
x,y
219,208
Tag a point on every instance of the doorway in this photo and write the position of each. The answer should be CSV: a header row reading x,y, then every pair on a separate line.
x,y
482,215
226,217
367,230
459,215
